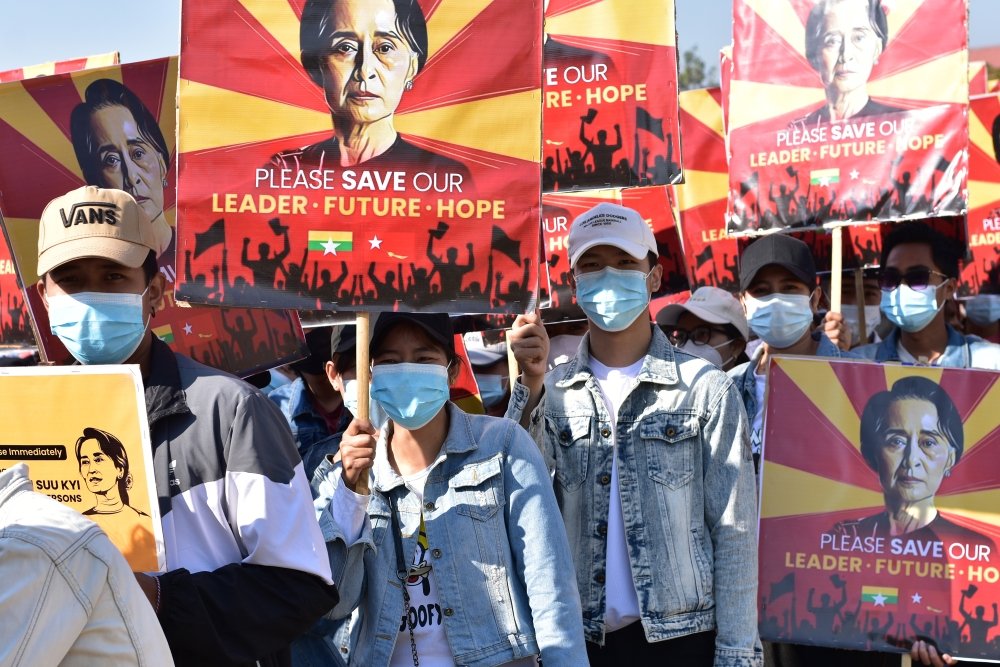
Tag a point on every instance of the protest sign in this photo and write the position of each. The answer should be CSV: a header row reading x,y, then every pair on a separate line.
x,y
48,129
610,94
59,67
982,272
879,516
90,451
979,82
331,161
839,114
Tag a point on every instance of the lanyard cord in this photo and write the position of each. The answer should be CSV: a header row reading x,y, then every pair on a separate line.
x,y
402,572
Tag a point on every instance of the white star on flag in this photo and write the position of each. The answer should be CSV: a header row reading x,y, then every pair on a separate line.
x,y
330,247
824,181
855,174
376,242
916,598
188,328
879,600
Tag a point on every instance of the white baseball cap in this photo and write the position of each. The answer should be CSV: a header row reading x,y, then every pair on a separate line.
x,y
614,225
710,304
482,353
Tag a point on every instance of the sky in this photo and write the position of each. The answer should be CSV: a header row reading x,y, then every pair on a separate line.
x,y
38,31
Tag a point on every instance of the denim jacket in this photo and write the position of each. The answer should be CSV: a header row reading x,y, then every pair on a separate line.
x,y
960,352
498,549
687,494
743,375
310,431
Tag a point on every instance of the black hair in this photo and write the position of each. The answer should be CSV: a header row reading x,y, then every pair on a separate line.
x,y
817,15
873,418
945,252
150,267
113,449
315,34
105,93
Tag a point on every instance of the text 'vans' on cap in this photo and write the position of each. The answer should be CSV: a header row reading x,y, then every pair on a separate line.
x,y
98,222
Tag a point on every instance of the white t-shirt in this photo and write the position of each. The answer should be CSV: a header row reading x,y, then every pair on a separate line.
x,y
622,603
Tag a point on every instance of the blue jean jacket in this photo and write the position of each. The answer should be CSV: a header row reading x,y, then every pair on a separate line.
x,y
312,436
498,549
687,494
960,352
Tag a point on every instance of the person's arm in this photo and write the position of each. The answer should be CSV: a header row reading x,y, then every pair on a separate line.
x,y
244,611
542,560
530,345
730,517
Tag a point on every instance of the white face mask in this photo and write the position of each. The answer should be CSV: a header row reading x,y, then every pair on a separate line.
x,y
873,315
709,353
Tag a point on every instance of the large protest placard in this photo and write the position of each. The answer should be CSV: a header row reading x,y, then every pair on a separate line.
x,y
366,155
59,67
115,127
84,434
846,111
610,94
982,272
879,513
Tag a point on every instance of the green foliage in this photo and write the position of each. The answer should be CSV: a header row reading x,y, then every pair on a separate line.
x,y
694,72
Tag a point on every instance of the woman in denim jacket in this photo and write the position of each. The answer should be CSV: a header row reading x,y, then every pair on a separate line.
x,y
459,555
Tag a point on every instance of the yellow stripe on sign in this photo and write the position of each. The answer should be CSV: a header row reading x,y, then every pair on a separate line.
x,y
214,117
816,379
982,193
782,18
495,124
983,419
792,492
330,236
903,11
649,22
168,107
279,20
883,590
701,187
20,110
701,105
83,78
979,135
756,102
912,84
449,19
978,505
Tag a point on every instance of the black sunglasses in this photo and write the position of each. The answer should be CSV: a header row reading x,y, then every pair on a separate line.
x,y
700,335
916,278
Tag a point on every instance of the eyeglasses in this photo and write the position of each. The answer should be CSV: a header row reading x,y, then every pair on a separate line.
x,y
699,335
916,278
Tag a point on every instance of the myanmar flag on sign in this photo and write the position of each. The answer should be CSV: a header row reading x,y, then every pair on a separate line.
x,y
330,243
824,176
165,333
880,596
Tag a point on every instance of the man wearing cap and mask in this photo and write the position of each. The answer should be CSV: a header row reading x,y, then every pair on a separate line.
x,y
710,325
918,277
247,566
780,297
652,464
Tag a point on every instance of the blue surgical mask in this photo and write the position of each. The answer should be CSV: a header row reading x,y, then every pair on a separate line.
x,y
709,353
98,327
612,298
411,394
909,309
984,309
492,389
376,415
873,315
779,320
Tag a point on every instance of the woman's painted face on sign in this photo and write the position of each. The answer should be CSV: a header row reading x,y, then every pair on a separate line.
x,y
98,470
849,46
914,453
369,61
127,160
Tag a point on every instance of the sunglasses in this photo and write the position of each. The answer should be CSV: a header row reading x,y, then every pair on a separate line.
x,y
700,335
916,278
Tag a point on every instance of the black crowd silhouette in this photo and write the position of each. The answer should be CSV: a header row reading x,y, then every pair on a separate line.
x,y
15,327
833,617
243,349
404,286
592,164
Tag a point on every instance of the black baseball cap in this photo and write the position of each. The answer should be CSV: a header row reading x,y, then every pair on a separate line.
x,y
436,325
780,250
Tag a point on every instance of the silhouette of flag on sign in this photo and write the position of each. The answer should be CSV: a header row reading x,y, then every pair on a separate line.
x,y
748,186
786,585
506,245
644,121
210,238
704,256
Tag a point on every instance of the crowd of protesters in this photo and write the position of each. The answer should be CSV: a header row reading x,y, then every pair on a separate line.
x,y
608,515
